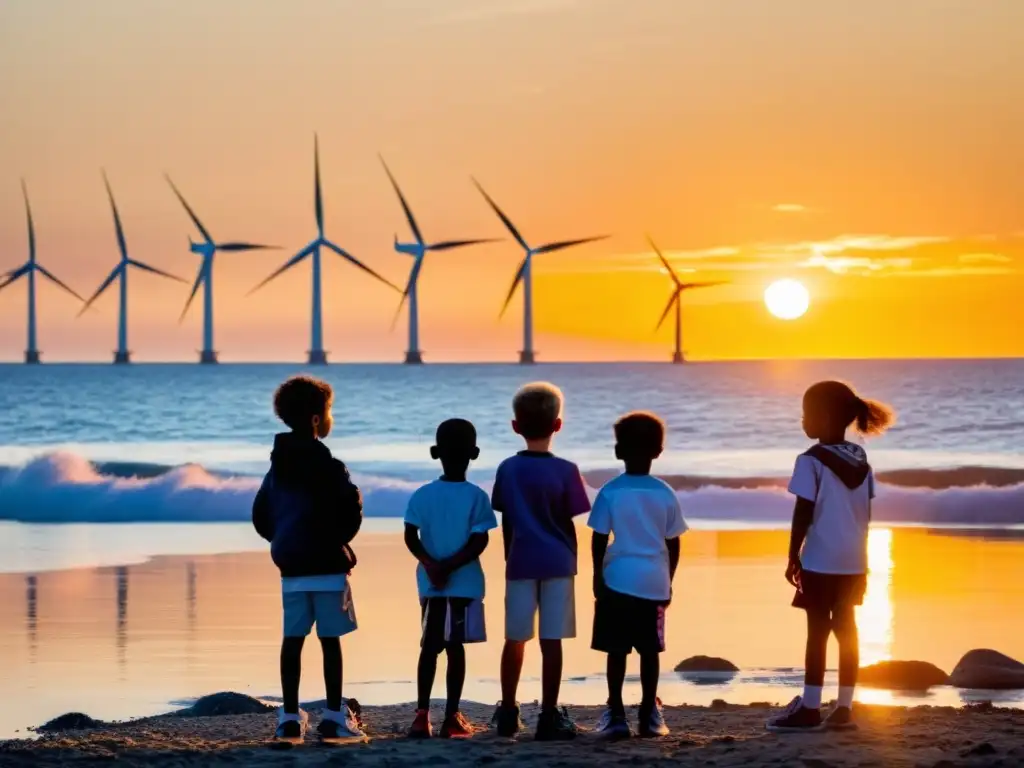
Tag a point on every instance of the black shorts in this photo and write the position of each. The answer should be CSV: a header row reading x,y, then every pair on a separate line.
x,y
623,622
830,591
451,620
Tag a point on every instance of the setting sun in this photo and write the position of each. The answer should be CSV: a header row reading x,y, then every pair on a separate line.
x,y
787,299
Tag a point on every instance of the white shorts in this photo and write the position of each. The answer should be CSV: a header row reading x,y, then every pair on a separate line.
x,y
554,599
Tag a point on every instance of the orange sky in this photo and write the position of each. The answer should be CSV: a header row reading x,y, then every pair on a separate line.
x,y
873,150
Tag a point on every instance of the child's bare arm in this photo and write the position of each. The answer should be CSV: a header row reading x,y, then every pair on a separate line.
x,y
598,548
803,516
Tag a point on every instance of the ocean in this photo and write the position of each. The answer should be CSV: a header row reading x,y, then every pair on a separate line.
x,y
131,578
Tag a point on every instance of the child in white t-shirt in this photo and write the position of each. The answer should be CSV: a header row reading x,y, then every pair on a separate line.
x,y
446,529
633,574
828,564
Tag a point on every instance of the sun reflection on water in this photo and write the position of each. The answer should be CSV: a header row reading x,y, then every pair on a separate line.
x,y
875,616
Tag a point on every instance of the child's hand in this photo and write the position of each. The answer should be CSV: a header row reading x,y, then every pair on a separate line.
x,y
437,574
793,571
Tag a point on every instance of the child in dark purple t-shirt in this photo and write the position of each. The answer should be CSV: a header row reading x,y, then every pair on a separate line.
x,y
538,495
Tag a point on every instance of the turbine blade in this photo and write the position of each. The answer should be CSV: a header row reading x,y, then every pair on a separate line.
x,y
287,265
691,286
319,200
352,259
562,244
398,310
447,245
121,244
405,205
192,214
501,215
31,226
200,277
15,275
414,276
668,307
53,279
155,271
244,247
512,290
671,272
103,286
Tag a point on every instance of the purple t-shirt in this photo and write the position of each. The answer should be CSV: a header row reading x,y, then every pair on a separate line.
x,y
538,495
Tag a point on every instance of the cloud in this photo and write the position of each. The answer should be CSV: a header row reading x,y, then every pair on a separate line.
x,y
954,272
790,208
983,258
841,265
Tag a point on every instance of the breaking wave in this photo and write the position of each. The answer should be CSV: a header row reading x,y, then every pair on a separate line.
x,y
65,487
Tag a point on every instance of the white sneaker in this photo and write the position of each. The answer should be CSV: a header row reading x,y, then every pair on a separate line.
x,y
291,729
340,726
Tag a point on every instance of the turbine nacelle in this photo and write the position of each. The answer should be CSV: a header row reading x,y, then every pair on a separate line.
x,y
416,250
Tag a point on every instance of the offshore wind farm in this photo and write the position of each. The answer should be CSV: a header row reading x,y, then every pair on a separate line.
x,y
207,247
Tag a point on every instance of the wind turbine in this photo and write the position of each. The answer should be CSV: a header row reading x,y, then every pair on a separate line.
x,y
676,300
120,272
418,250
206,249
28,270
524,275
317,354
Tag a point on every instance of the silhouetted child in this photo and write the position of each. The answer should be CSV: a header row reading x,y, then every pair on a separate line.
x,y
633,575
446,525
538,495
828,559
310,511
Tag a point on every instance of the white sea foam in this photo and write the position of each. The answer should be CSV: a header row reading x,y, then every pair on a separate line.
x,y
64,487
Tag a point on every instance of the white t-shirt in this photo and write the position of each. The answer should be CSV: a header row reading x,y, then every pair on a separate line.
x,y
447,514
837,541
639,512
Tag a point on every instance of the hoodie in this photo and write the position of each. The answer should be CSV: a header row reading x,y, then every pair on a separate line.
x,y
308,509
847,461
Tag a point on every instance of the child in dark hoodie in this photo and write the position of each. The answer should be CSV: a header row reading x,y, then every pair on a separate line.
x,y
309,510
828,551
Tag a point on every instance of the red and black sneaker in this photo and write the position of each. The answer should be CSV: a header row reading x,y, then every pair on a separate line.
x,y
796,718
841,719
456,727
421,727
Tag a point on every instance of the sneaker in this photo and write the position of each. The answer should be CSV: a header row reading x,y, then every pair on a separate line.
x,y
291,729
796,718
507,720
613,727
456,727
651,723
555,725
340,726
421,727
840,719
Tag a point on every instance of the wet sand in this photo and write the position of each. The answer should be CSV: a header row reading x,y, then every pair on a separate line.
x,y
722,735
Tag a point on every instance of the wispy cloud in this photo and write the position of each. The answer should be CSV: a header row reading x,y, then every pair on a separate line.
x,y
984,258
790,208
955,272
841,265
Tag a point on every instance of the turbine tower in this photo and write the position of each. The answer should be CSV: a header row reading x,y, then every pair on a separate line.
x,y
206,249
418,250
524,275
676,300
317,354
120,272
28,270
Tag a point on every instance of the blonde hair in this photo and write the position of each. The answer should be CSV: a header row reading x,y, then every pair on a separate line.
x,y
536,407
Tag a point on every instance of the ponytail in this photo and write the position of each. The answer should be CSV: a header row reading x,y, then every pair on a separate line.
x,y
873,417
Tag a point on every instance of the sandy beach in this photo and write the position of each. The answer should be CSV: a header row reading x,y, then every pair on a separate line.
x,y
722,735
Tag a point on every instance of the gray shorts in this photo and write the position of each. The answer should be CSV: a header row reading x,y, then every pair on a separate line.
x,y
553,599
334,613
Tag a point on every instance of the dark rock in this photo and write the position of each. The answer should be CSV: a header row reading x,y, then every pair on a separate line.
x,y
228,703
706,664
988,669
719,704
902,675
72,721
980,750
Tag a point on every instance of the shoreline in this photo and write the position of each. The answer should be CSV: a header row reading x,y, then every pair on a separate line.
x,y
724,735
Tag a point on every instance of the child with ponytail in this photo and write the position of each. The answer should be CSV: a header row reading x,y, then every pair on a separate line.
x,y
834,485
